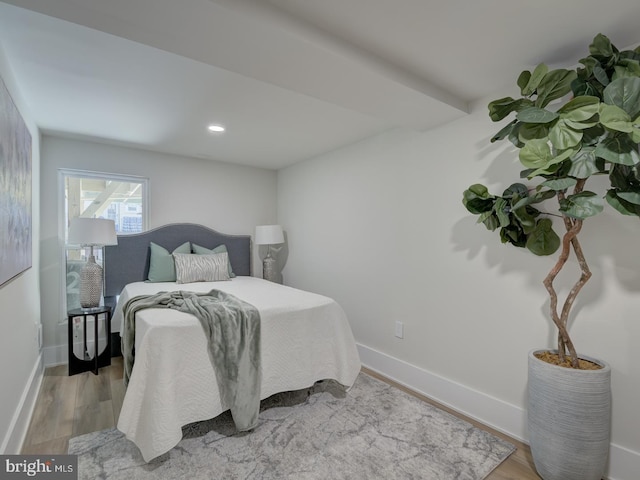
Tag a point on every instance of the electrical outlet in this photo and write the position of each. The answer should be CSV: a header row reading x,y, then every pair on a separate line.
x,y
399,330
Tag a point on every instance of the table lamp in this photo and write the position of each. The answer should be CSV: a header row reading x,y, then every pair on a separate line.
x,y
91,232
269,235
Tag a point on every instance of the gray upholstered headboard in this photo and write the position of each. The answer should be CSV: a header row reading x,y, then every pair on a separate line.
x,y
128,261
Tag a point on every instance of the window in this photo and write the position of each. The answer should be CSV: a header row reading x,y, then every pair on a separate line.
x,y
120,198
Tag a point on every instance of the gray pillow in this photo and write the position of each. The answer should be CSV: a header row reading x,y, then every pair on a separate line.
x,y
162,266
201,268
198,250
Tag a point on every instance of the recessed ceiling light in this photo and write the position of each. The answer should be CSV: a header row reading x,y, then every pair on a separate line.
x,y
216,128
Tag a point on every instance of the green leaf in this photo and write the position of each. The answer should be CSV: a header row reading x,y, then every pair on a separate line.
x,y
583,163
514,136
615,118
543,195
479,190
536,198
588,62
624,93
483,216
580,108
593,135
536,115
619,149
630,55
601,46
555,84
563,137
525,219
631,197
620,205
523,81
581,205
499,109
582,87
491,221
553,168
518,190
503,216
560,184
592,122
536,154
530,131
504,132
477,199
624,177
580,125
635,131
626,67
601,75
543,240
514,235
534,80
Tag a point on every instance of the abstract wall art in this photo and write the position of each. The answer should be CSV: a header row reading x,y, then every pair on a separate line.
x,y
15,190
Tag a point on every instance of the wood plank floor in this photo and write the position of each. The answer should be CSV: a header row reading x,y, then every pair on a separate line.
x,y
84,403
70,406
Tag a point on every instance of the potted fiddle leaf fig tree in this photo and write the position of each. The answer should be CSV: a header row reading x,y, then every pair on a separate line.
x,y
570,125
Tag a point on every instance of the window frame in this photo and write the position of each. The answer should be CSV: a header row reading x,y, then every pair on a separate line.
x,y
63,174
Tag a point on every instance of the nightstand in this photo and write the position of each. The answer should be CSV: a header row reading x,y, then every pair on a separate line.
x,y
79,365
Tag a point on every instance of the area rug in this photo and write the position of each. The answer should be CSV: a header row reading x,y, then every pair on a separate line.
x,y
373,431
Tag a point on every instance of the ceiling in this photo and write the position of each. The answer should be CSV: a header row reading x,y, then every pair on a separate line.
x,y
290,79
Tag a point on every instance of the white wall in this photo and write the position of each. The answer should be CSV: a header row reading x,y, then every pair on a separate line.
x,y
21,370
231,199
380,227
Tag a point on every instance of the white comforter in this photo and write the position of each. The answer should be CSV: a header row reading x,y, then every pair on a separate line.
x,y
305,337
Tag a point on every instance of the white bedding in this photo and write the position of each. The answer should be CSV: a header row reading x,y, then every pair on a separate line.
x,y
305,337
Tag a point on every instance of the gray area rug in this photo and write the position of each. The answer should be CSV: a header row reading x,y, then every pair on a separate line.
x,y
374,431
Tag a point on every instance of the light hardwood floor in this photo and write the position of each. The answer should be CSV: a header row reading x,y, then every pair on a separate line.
x,y
84,403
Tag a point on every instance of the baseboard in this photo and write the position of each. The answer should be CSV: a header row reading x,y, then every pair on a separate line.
x,y
497,414
624,464
501,416
56,355
12,443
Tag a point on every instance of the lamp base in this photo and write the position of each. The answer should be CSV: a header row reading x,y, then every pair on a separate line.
x,y
269,269
90,284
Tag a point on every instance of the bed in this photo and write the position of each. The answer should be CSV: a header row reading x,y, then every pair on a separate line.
x,y
305,338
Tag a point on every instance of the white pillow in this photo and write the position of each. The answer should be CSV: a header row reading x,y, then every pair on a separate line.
x,y
201,268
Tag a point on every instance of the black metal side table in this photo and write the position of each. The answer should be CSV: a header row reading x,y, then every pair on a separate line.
x,y
79,365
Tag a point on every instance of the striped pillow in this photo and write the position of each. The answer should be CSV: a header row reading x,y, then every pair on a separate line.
x,y
201,268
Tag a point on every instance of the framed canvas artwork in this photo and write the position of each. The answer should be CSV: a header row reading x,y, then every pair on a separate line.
x,y
15,190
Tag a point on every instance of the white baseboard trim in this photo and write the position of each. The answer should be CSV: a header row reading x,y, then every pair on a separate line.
x,y
624,464
501,416
13,440
56,355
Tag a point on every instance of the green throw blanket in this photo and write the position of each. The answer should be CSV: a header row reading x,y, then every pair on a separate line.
x,y
232,327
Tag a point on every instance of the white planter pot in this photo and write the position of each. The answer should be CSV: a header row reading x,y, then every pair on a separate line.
x,y
569,420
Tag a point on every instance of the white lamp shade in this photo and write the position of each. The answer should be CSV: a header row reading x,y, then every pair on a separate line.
x,y
269,235
92,232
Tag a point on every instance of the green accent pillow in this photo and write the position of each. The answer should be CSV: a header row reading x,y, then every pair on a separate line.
x,y
198,250
161,266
